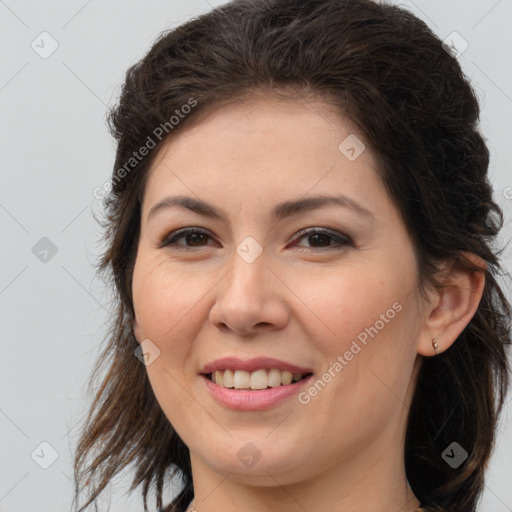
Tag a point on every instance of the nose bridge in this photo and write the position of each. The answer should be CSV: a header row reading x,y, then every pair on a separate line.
x,y
248,265
247,299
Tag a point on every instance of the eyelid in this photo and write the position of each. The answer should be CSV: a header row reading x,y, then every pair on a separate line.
x,y
173,235
336,235
341,239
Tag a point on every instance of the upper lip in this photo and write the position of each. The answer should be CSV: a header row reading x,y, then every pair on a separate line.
x,y
251,365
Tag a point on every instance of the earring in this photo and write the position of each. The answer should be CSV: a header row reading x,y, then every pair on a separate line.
x,y
435,345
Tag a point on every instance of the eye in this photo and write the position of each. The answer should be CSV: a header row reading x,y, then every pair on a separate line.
x,y
320,238
194,236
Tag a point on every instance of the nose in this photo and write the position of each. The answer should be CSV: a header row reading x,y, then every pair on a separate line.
x,y
251,298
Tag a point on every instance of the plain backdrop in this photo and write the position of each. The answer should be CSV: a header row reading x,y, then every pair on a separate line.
x,y
55,150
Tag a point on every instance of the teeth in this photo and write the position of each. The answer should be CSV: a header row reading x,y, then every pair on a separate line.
x,y
259,379
241,379
218,378
274,378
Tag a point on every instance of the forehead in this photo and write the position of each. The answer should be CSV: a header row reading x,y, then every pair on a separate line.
x,y
264,146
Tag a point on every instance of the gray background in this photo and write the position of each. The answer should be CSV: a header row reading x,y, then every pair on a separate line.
x,y
55,150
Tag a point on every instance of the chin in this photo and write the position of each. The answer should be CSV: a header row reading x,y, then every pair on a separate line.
x,y
258,460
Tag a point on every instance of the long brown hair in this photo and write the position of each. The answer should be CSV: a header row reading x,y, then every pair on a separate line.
x,y
391,76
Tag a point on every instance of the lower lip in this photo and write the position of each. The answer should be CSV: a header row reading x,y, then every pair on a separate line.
x,y
253,400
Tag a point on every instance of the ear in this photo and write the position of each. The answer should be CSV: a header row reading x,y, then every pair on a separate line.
x,y
449,310
137,330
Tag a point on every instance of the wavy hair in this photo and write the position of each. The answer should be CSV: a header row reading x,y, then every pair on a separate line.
x,y
386,72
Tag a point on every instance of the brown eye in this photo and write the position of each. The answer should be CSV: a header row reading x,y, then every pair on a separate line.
x,y
321,238
318,238
193,237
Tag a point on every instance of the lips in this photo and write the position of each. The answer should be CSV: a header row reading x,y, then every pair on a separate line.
x,y
253,400
251,365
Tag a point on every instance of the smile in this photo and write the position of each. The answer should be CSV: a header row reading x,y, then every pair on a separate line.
x,y
259,379
247,399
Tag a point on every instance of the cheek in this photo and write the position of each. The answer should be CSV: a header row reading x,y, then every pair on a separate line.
x,y
346,303
362,324
165,297
164,301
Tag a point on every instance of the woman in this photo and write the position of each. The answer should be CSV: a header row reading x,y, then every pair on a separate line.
x,y
300,237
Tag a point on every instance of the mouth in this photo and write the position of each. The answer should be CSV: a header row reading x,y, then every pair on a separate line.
x,y
262,389
258,380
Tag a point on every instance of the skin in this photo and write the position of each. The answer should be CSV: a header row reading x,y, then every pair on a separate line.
x,y
303,300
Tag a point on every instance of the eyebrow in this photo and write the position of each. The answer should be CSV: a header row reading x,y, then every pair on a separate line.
x,y
279,212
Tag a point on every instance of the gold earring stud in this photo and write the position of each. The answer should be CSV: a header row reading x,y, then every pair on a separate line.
x,y
435,345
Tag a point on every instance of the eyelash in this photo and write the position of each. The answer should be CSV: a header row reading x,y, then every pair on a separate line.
x,y
342,240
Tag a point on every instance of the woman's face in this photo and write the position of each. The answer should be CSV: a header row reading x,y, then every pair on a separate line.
x,y
339,302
